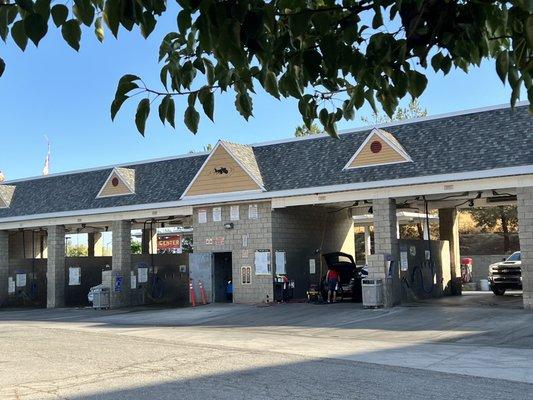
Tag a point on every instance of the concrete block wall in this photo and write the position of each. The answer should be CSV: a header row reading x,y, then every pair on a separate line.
x,y
55,271
121,263
4,265
525,233
304,231
386,249
213,237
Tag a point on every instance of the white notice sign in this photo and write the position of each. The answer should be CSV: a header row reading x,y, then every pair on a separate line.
x,y
11,285
312,266
404,261
280,262
133,281
202,216
74,276
262,262
21,280
217,214
253,212
234,213
143,274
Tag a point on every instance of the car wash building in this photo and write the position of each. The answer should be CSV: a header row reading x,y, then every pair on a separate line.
x,y
268,209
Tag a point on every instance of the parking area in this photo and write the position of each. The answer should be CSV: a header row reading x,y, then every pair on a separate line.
x,y
476,349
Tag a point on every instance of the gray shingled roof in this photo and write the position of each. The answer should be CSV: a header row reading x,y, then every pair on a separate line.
x,y
471,142
155,182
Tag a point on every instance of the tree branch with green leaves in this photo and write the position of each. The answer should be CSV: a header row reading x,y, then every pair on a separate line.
x,y
332,56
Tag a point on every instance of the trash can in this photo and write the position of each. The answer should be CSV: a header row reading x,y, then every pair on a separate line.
x,y
99,296
372,293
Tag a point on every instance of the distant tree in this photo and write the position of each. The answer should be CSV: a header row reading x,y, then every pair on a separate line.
x,y
491,218
303,130
77,250
208,147
413,110
136,247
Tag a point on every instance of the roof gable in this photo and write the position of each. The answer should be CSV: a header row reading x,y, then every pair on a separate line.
x,y
379,148
120,182
6,195
229,168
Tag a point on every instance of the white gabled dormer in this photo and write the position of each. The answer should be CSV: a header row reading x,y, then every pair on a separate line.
x,y
379,148
120,182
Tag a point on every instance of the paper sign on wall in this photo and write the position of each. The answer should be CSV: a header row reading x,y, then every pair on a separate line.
x,y
217,214
74,276
202,216
262,262
404,261
234,213
428,254
253,212
312,266
143,274
280,262
21,280
11,285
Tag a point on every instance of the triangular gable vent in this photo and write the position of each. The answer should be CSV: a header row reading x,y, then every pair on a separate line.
x,y
120,182
229,168
6,195
379,148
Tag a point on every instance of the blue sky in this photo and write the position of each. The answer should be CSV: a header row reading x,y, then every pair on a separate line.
x,y
65,95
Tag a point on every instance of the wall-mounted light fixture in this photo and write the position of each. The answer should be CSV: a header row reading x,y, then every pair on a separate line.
x,y
229,225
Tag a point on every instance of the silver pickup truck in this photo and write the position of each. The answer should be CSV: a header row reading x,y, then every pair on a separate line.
x,y
506,274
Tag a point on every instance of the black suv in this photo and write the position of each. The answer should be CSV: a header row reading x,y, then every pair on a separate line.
x,y
350,276
506,274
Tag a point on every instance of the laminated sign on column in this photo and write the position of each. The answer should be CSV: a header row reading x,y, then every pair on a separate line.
x,y
118,283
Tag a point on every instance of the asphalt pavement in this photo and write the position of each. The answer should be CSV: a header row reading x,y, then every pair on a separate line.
x,y
301,351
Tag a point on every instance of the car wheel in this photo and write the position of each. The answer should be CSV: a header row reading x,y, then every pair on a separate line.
x,y
498,291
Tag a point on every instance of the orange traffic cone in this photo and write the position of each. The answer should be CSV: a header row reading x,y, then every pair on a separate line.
x,y
192,295
202,292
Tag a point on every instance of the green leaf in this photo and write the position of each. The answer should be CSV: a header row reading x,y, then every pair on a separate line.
x,y
72,33
99,29
2,67
271,84
59,14
243,103
148,25
191,118
19,34
417,83
116,104
184,21
35,27
171,111
207,100
163,108
112,15
143,110
502,64
26,5
167,110
4,23
529,30
42,7
84,11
